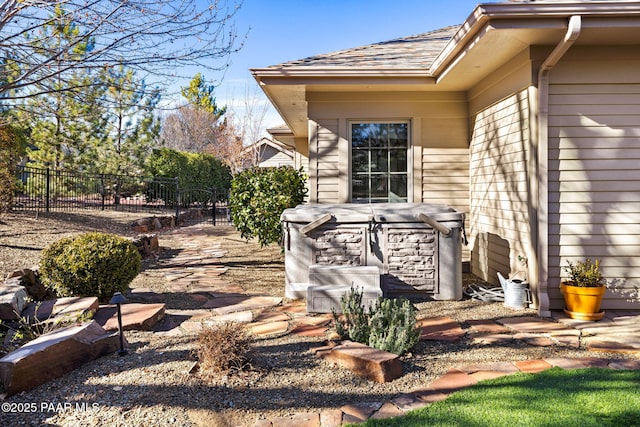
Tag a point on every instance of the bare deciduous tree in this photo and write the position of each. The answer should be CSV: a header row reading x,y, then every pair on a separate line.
x,y
249,118
154,37
196,130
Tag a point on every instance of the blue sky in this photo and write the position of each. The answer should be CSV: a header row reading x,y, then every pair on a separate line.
x,y
283,30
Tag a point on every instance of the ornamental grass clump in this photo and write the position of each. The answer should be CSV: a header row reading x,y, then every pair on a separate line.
x,y
222,348
91,264
390,325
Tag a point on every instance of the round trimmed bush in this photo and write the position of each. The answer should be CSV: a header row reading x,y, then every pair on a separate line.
x,y
90,264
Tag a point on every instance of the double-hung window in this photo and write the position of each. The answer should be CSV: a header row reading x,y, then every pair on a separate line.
x,y
379,162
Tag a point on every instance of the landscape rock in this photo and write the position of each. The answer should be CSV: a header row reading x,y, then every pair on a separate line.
x,y
140,317
28,278
147,244
13,297
53,355
144,225
68,308
376,365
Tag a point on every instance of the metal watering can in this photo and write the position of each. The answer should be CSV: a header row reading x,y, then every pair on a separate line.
x,y
516,292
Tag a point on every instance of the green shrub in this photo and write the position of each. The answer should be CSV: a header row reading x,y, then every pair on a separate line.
x,y
260,195
355,325
91,264
389,326
393,326
585,273
193,170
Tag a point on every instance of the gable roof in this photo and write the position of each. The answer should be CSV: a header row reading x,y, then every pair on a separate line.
x,y
276,145
417,51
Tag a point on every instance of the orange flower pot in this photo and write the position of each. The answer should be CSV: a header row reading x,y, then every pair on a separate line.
x,y
583,303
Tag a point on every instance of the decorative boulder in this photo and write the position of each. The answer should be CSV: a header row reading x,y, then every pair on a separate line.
x,y
53,355
12,300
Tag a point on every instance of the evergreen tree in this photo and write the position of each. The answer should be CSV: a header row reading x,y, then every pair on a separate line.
x,y
65,122
131,126
199,95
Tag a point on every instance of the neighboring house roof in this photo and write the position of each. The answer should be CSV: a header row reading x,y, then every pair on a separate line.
x,y
260,149
418,51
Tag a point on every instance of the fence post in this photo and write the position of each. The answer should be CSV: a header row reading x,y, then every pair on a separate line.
x,y
214,199
47,190
177,201
103,191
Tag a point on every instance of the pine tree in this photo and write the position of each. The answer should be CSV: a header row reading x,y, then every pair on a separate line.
x,y
65,122
131,126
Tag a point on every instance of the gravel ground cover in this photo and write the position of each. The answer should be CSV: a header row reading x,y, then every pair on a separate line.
x,y
153,385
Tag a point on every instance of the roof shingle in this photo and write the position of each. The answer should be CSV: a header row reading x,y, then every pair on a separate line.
x,y
412,52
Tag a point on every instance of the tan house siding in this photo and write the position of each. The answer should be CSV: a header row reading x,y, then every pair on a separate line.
x,y
450,166
324,174
446,165
499,204
594,178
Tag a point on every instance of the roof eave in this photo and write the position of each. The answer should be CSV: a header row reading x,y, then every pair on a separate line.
x,y
333,72
484,13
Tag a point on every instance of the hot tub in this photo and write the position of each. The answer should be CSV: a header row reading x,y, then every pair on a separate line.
x,y
417,248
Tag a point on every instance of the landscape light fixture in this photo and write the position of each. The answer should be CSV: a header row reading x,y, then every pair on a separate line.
x,y
119,299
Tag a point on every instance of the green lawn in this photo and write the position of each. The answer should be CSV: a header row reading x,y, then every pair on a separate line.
x,y
556,397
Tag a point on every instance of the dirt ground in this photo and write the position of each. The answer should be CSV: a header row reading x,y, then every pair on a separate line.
x,y
24,235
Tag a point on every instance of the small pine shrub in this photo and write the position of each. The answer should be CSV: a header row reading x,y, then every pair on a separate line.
x,y
393,326
91,264
222,348
389,326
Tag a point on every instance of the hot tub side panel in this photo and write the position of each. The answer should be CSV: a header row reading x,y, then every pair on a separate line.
x,y
330,244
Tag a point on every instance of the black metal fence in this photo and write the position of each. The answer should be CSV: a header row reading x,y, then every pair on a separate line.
x,y
49,190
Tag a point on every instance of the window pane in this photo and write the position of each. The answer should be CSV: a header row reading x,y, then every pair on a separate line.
x,y
398,135
379,135
398,190
379,185
379,157
379,161
359,135
360,160
398,160
360,186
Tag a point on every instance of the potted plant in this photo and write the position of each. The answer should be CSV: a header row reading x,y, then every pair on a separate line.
x,y
584,290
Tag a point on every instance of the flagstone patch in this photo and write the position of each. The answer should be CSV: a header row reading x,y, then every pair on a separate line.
x,y
271,316
387,410
486,326
238,316
532,366
610,346
531,324
250,303
440,329
268,328
309,330
452,381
